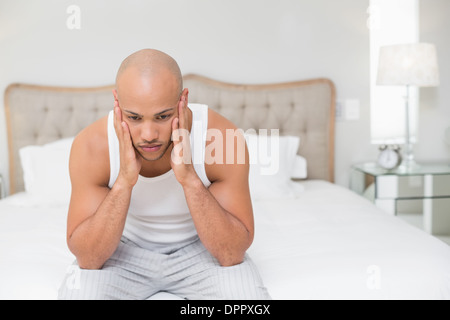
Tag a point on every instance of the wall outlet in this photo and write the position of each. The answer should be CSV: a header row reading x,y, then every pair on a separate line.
x,y
348,109
352,107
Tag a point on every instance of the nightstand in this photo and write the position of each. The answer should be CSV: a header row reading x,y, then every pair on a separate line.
x,y
426,185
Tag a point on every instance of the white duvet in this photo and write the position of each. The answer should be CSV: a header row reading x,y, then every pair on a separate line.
x,y
328,243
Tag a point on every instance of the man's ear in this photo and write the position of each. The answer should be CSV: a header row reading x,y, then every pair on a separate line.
x,y
185,93
116,95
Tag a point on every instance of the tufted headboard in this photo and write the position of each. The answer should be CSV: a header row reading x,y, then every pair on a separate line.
x,y
303,108
36,115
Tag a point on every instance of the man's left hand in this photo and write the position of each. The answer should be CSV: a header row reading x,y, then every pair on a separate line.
x,y
181,157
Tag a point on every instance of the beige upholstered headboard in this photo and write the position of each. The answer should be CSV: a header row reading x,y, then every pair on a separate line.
x,y
37,115
304,108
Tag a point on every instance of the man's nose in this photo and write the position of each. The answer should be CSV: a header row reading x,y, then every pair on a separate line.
x,y
149,132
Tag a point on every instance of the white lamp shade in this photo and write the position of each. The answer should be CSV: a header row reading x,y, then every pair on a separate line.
x,y
408,64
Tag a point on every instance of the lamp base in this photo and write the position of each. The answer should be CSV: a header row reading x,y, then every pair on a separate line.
x,y
408,166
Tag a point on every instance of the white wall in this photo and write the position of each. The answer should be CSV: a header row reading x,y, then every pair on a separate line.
x,y
246,41
435,102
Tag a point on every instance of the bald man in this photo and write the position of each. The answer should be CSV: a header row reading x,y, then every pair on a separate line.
x,y
147,212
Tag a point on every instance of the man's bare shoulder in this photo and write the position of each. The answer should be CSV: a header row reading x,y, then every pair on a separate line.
x,y
217,121
229,157
93,139
90,152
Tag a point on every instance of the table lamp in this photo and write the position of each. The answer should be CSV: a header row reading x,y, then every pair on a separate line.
x,y
408,65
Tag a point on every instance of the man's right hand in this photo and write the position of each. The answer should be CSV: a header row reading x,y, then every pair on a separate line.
x,y
130,160
97,213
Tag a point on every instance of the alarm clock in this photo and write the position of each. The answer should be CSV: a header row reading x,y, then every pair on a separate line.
x,y
390,157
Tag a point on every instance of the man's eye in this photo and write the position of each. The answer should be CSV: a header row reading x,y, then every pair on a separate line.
x,y
134,118
163,117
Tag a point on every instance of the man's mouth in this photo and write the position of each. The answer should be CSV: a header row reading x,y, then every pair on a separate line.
x,y
151,148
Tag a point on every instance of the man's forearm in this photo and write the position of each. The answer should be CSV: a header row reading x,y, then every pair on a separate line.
x,y
223,235
95,239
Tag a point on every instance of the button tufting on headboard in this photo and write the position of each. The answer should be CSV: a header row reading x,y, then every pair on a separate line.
x,y
39,115
303,108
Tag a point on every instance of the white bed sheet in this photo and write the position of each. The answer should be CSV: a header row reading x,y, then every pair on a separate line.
x,y
333,244
327,244
33,253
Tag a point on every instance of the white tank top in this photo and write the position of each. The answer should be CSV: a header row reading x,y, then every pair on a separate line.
x,y
158,214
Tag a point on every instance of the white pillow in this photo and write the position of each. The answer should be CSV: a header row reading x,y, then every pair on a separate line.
x,y
46,171
272,163
300,169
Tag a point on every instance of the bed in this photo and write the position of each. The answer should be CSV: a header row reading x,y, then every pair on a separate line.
x,y
314,239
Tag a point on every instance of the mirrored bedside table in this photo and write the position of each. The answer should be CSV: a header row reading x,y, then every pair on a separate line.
x,y
426,185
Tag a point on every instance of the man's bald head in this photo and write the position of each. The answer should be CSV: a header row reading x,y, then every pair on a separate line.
x,y
150,63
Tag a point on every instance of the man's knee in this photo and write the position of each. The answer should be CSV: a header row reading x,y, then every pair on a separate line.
x,y
241,282
80,284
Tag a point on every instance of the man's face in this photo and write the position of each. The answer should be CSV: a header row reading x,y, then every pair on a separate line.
x,y
149,107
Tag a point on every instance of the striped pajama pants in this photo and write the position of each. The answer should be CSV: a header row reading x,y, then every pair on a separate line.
x,y
188,271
